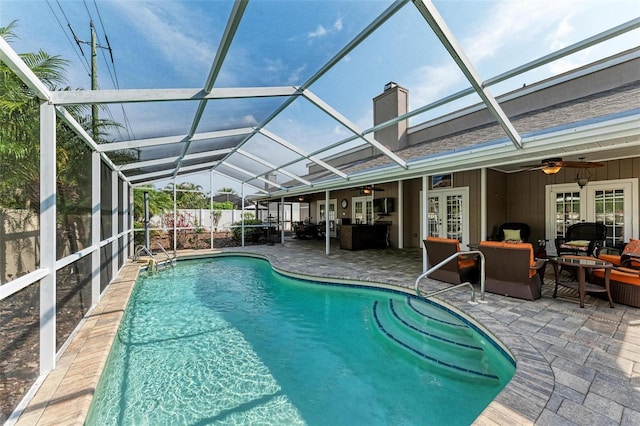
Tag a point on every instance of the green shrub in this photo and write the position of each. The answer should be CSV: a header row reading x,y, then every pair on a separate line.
x,y
250,234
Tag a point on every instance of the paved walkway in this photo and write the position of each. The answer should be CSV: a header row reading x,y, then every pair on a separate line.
x,y
574,366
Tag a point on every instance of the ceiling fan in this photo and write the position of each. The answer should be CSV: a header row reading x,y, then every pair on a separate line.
x,y
368,189
552,166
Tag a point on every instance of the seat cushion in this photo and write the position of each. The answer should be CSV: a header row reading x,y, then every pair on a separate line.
x,y
621,275
632,247
580,245
446,240
508,245
611,258
466,262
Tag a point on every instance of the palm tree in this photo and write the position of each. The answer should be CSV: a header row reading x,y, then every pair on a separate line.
x,y
20,143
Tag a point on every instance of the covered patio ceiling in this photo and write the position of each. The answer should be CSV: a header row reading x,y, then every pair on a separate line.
x,y
240,131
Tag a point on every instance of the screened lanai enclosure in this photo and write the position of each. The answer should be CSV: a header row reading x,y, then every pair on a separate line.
x,y
103,100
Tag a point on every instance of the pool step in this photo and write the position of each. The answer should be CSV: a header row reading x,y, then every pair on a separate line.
x,y
423,315
455,353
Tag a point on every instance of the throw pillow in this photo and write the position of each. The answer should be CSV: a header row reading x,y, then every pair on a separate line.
x,y
633,246
512,235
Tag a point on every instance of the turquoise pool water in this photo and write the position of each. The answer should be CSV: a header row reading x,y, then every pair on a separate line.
x,y
230,341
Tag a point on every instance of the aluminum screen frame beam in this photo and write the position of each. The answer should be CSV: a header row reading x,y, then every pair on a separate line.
x,y
252,175
83,97
302,153
273,167
446,37
239,6
311,97
22,71
165,140
359,38
169,160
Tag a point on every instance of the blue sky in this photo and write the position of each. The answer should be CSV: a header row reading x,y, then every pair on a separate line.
x,y
172,44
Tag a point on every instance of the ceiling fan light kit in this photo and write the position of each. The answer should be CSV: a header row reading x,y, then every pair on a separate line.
x,y
583,175
367,190
551,170
551,166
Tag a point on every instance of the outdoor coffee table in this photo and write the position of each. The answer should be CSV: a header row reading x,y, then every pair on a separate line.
x,y
581,264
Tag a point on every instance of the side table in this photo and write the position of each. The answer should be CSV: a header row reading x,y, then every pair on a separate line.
x,y
581,264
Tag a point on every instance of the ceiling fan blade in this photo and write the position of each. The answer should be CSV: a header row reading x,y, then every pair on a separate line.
x,y
372,188
580,164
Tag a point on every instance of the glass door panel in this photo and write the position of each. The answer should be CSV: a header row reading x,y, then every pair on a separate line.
x,y
362,210
447,214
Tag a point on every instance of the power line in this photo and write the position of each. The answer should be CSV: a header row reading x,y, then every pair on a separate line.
x,y
77,46
73,45
114,77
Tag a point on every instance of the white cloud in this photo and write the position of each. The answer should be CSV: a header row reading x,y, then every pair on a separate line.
x,y
556,39
431,82
163,27
506,23
249,120
322,31
339,130
319,32
338,24
295,75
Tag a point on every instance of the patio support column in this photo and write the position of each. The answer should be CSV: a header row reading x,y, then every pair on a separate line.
x,y
125,218
211,205
130,240
400,215
48,236
327,237
282,220
425,213
175,220
114,223
95,227
483,203
242,218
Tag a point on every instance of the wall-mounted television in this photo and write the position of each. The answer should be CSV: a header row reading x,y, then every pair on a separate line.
x,y
383,205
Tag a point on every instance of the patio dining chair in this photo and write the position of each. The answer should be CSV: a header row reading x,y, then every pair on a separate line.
x,y
582,238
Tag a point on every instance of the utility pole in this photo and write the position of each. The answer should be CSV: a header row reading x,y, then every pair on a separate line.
x,y
94,80
94,69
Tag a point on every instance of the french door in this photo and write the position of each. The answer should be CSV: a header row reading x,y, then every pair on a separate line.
x,y
613,203
362,209
323,215
448,214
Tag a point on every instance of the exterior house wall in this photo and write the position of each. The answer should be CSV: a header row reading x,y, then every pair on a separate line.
x,y
411,196
511,197
496,204
525,191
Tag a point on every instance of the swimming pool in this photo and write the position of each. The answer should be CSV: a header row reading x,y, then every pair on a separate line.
x,y
229,340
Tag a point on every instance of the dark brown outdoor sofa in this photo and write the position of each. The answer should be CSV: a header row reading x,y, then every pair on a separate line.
x,y
460,270
512,270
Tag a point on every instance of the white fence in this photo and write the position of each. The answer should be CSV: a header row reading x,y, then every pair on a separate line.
x,y
222,220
